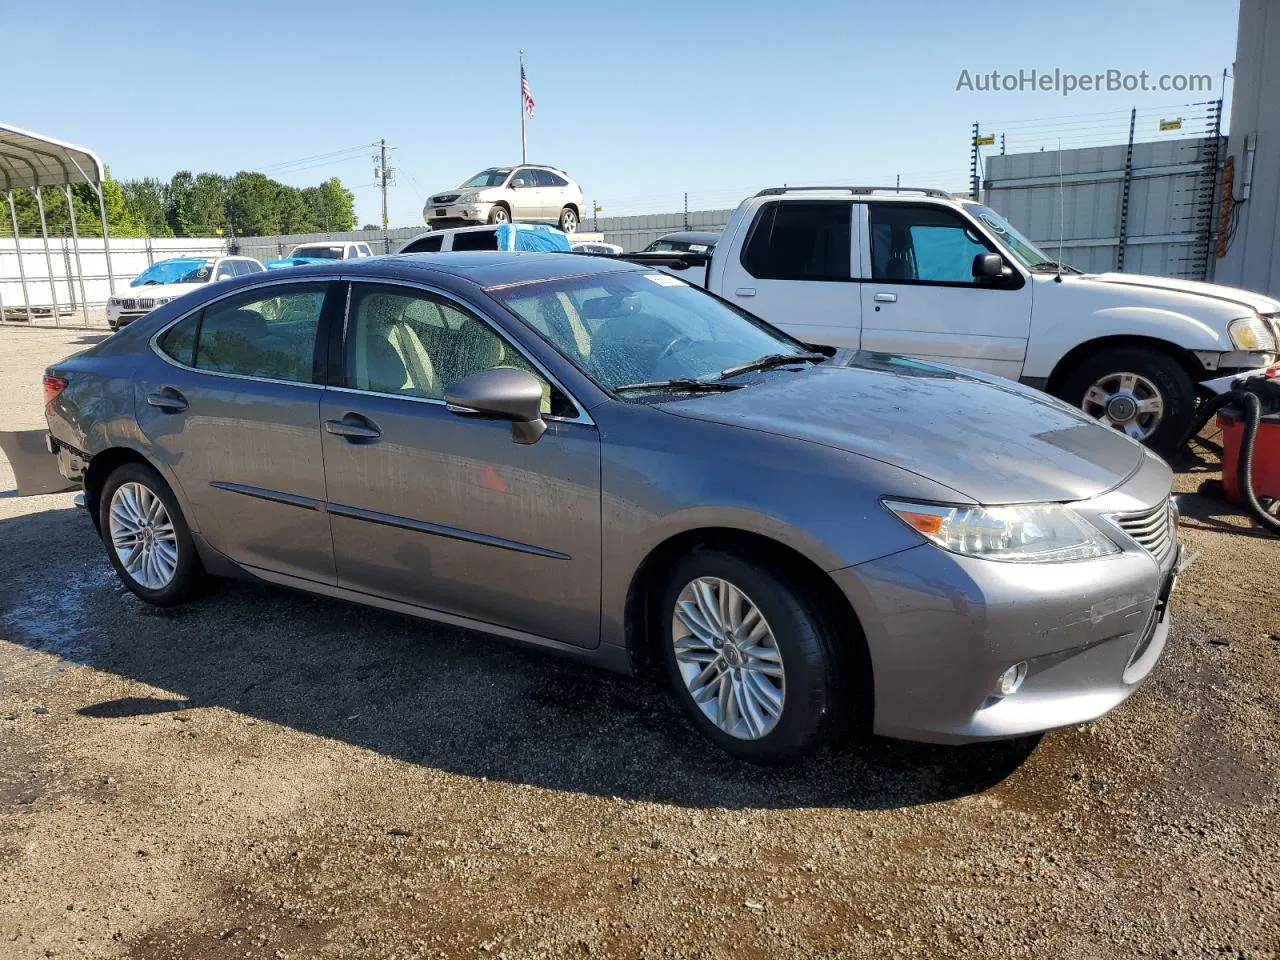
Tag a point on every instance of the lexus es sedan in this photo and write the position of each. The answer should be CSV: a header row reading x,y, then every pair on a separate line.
x,y
584,455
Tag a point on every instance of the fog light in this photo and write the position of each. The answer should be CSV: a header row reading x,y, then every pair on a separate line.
x,y
1009,682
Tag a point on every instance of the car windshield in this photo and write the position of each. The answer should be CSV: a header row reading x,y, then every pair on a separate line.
x,y
644,328
1022,248
677,246
318,253
493,177
180,270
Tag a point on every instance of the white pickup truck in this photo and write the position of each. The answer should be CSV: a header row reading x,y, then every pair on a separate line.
x,y
922,273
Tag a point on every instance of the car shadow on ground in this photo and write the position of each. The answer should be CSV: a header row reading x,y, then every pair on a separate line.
x,y
428,694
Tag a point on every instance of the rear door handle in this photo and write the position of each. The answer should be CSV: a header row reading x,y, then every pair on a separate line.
x,y
167,399
353,427
886,298
745,292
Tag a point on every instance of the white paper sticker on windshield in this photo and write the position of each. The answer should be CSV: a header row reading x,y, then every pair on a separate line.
x,y
665,280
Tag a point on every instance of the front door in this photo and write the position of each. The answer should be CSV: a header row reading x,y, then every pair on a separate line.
x,y
921,299
527,202
796,271
232,406
444,511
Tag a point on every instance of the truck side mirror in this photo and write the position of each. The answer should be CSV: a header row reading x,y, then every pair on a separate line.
x,y
988,266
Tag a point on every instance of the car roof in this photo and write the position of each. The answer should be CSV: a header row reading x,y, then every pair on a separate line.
x,y
693,236
484,268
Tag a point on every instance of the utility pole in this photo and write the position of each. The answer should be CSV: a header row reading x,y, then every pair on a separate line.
x,y
386,175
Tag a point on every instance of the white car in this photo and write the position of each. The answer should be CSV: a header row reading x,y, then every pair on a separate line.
x,y
305,253
597,248
921,273
529,192
167,280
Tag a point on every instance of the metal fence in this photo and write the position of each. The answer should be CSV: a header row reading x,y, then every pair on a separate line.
x,y
636,233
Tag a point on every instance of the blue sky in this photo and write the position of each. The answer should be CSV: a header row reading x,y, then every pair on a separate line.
x,y
640,103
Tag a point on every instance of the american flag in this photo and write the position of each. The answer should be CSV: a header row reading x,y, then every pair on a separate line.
x,y
525,93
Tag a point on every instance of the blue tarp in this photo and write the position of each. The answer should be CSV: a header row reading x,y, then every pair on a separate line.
x,y
176,270
534,237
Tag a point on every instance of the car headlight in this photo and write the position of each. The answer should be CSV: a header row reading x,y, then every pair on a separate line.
x,y
113,302
469,198
1252,334
1020,533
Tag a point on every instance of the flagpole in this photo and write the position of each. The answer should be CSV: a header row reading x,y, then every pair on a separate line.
x,y
524,143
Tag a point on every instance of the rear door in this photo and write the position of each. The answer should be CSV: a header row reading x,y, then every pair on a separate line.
x,y
447,511
232,405
794,268
921,299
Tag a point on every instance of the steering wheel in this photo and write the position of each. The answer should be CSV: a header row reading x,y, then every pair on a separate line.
x,y
671,347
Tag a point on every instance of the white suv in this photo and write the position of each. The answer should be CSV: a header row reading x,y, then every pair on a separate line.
x,y
501,194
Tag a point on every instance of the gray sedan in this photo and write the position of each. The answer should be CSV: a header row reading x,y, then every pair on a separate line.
x,y
603,461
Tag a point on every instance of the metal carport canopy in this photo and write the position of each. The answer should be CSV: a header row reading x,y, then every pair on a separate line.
x,y
32,161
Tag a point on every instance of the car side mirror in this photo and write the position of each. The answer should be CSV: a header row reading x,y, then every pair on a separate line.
x,y
516,184
501,393
988,266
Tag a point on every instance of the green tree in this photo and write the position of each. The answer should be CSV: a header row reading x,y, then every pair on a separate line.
x,y
148,202
120,219
333,207
197,204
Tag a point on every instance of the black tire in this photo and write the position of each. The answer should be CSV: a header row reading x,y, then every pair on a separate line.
x,y
498,213
815,664
569,220
187,571
1170,378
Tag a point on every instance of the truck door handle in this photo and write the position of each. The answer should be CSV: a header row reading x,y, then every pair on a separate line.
x,y
167,399
885,298
745,292
354,427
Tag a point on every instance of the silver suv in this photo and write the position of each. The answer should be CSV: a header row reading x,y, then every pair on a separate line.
x,y
502,194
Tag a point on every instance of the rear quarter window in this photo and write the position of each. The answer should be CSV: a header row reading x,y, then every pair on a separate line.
x,y
179,341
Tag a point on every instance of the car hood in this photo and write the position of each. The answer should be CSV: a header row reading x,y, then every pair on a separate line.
x,y
1212,291
157,290
989,439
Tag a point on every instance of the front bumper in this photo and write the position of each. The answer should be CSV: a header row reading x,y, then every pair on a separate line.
x,y
118,317
941,628
461,213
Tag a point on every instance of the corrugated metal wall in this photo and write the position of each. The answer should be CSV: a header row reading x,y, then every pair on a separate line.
x,y
636,233
275,247
1252,258
1164,235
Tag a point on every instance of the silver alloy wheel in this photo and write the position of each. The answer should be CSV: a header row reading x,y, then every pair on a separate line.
x,y
728,658
1128,402
569,221
500,215
143,536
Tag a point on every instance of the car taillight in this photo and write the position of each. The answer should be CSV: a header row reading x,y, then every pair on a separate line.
x,y
52,387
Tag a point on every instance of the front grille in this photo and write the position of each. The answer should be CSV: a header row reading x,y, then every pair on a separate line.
x,y
129,304
1154,530
444,198
146,303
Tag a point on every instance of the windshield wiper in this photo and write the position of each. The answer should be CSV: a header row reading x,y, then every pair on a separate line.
x,y
1051,266
680,383
772,360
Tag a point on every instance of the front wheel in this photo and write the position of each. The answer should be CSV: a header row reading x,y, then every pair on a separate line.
x,y
1145,394
569,220
146,536
752,662
499,214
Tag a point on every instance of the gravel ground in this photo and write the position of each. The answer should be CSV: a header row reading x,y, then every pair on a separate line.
x,y
267,774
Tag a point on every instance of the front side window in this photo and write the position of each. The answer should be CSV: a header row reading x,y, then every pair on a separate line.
x,y
528,176
364,250
250,266
429,244
800,241
318,252
413,343
226,270
927,244
634,327
271,337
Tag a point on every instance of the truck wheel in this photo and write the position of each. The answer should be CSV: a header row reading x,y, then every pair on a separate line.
x,y
1145,393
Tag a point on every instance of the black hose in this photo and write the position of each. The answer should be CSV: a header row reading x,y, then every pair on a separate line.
x,y
1244,469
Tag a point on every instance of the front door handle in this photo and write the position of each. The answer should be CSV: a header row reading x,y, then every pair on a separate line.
x,y
354,427
885,298
167,399
745,292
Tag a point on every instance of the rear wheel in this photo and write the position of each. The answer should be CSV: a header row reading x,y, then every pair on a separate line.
x,y
569,220
753,663
1145,394
147,538
499,214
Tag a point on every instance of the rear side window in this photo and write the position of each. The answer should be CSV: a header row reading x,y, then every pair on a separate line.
x,y
270,337
548,179
424,245
800,241
250,266
476,240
